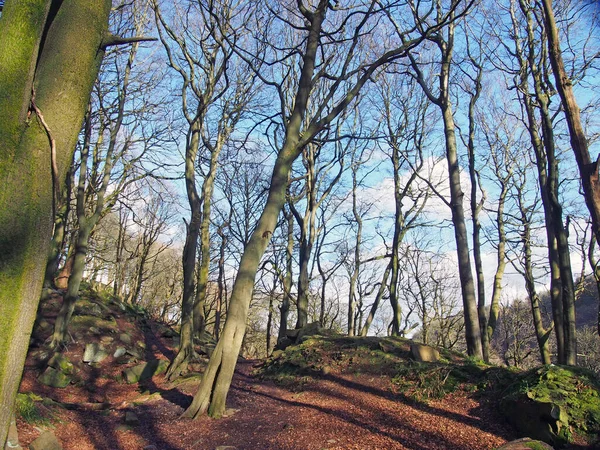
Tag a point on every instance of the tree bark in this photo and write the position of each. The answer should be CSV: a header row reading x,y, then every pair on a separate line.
x,y
62,68
588,170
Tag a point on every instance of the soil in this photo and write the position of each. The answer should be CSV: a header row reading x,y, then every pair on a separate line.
x,y
337,410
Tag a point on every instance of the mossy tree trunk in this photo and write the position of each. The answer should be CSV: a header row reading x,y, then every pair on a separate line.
x,y
60,58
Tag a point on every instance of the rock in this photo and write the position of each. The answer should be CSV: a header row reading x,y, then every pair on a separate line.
x,y
141,344
525,444
543,421
134,353
120,351
125,338
277,354
311,329
46,441
143,372
131,419
94,353
424,353
107,339
284,343
54,378
95,310
61,363
12,440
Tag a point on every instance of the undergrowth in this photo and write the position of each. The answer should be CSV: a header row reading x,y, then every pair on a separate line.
x,y
27,407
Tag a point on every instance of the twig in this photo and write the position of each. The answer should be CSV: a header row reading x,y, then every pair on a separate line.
x,y
53,164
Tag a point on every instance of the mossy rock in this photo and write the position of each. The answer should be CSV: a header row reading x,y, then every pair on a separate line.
x,y
559,400
145,371
61,363
54,378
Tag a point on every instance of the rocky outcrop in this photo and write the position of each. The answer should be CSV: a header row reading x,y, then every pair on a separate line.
x,y
541,420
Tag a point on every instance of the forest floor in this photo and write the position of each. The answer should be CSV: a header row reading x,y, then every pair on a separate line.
x,y
340,409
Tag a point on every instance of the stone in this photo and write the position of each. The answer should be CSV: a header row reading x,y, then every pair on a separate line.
x,y
145,371
61,362
135,353
120,351
539,420
94,353
12,440
284,343
141,344
277,354
125,338
107,339
424,353
46,441
311,329
54,378
131,419
525,444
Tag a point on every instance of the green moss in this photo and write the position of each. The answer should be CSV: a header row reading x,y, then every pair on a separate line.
x,y
575,390
535,445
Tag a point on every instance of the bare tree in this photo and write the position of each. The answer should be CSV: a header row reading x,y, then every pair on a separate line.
x,y
213,90
330,52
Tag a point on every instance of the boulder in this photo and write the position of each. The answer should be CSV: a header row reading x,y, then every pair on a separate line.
x,y
135,353
61,363
540,420
145,371
46,441
94,353
125,338
525,444
120,351
424,353
54,378
311,329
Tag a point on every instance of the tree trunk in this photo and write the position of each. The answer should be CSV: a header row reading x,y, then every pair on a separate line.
x,y
472,330
365,329
58,238
287,281
186,333
588,170
63,74
212,393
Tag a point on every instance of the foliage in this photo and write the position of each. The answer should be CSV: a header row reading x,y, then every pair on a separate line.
x,y
27,407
